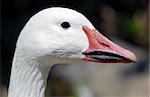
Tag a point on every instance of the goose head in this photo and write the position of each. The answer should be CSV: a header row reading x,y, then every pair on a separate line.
x,y
57,35
62,33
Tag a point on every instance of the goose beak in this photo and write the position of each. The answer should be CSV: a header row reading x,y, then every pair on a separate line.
x,y
101,49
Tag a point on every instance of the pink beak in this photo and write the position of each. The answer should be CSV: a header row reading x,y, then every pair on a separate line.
x,y
101,49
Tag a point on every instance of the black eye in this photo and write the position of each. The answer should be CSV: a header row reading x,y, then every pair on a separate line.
x,y
65,25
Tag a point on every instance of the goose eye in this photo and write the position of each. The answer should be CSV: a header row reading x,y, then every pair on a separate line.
x,y
65,25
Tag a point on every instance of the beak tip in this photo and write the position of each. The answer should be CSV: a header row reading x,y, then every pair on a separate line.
x,y
132,57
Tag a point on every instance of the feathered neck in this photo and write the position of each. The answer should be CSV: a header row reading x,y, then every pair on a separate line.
x,y
28,78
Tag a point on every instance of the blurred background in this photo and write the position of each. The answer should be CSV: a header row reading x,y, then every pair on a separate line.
x,y
126,22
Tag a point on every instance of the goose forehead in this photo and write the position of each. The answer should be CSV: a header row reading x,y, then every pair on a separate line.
x,y
62,12
57,14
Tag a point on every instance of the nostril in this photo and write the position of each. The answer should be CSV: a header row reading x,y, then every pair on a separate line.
x,y
106,45
103,44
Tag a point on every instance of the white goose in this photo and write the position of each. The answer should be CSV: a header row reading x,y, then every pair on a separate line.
x,y
54,36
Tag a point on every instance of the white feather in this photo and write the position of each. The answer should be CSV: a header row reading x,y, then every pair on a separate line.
x,y
43,43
